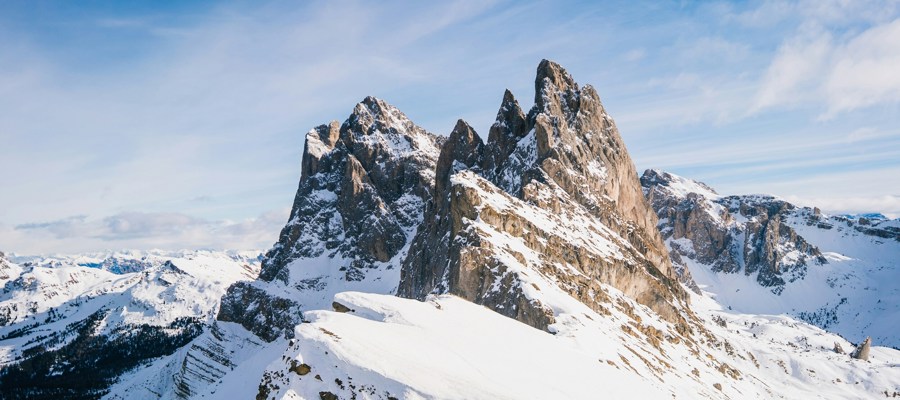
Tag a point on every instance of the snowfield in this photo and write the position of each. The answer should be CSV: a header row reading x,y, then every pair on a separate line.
x,y
853,293
47,295
448,348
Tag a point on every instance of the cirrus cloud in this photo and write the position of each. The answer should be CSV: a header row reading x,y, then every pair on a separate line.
x,y
838,73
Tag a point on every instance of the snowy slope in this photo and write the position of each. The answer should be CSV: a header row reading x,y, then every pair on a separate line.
x,y
853,291
53,310
167,289
447,348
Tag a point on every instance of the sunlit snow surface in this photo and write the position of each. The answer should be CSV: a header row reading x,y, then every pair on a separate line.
x,y
54,292
856,293
447,348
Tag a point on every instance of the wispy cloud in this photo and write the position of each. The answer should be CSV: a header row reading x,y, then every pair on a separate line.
x,y
838,73
198,111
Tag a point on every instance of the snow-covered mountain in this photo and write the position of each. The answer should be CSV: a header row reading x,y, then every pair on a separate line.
x,y
533,265
762,255
69,330
362,195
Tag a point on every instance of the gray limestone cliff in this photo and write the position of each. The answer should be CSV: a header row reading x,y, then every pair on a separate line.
x,y
363,187
557,173
5,267
550,203
730,234
862,351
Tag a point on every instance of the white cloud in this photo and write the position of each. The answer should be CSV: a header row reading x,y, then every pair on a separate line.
x,y
838,74
635,55
139,230
769,13
865,70
796,72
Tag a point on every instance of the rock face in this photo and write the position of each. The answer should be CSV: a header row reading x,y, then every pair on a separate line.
x,y
733,234
862,351
550,203
554,193
6,269
429,255
876,225
363,189
258,311
362,186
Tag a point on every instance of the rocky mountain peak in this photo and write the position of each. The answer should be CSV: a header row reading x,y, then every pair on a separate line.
x,y
319,141
510,126
362,194
552,83
731,234
376,130
551,202
677,185
372,109
565,158
579,148
462,150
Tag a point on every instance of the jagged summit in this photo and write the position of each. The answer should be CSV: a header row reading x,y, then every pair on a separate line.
x,y
680,186
551,77
510,126
363,188
749,234
565,156
384,205
462,150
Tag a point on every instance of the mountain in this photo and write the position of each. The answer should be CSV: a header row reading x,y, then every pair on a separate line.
x,y
447,348
558,210
545,223
760,254
363,187
552,202
70,330
527,265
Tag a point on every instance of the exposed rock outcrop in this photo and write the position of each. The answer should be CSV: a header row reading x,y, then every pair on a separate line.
x,y
355,189
5,268
363,189
862,350
262,313
510,127
427,264
552,193
870,224
730,234
555,193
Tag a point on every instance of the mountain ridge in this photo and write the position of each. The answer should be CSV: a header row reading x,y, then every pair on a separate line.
x,y
535,263
780,256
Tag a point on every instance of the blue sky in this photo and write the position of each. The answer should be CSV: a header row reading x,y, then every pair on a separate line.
x,y
181,124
